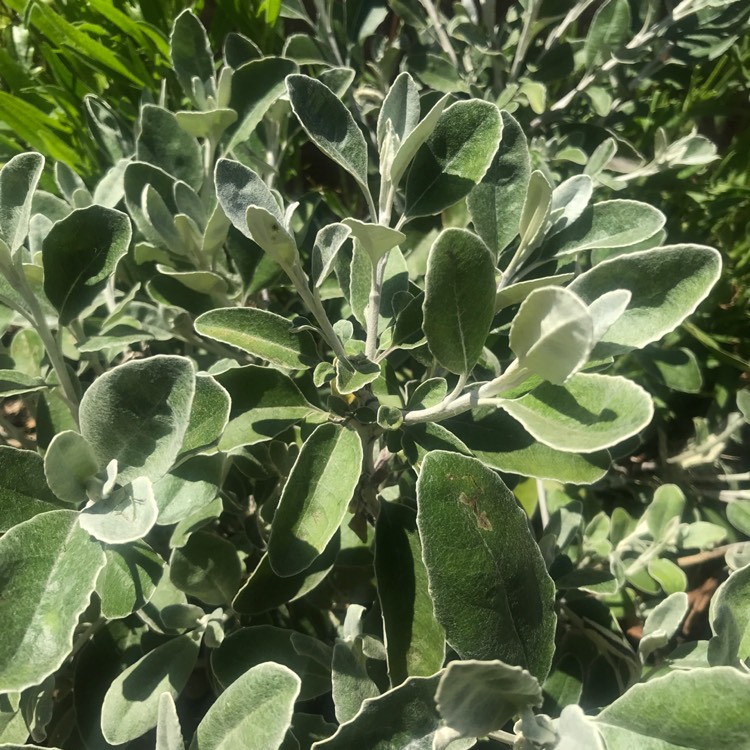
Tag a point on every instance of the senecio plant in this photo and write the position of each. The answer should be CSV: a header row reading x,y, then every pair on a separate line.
x,y
268,504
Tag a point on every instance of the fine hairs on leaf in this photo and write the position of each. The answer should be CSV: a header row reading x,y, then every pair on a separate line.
x,y
368,376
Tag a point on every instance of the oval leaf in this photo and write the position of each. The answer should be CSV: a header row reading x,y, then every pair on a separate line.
x,y
666,284
670,711
552,333
138,413
131,705
50,566
207,567
496,203
80,254
315,498
459,299
454,158
414,639
18,180
260,333
589,413
329,125
127,515
478,697
479,554
253,713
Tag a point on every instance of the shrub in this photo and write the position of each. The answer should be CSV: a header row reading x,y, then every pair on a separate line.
x,y
278,432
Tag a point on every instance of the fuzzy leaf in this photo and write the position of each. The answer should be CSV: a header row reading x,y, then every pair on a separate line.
x,y
495,204
24,492
609,224
265,590
69,464
666,285
329,125
138,413
79,254
499,441
206,567
163,143
131,705
479,555
18,180
265,402
127,515
315,498
248,647
459,299
253,713
589,413
415,641
261,333
191,54
478,697
669,712
400,108
128,579
209,413
49,568
454,158
256,85
552,333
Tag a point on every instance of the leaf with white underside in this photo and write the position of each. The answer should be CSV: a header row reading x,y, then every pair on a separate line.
x,y
168,730
588,413
131,705
569,200
330,125
315,498
253,713
49,568
375,239
18,180
127,515
400,107
478,697
454,158
328,242
666,284
69,465
138,413
670,712
459,299
261,333
479,554
662,623
552,334
415,139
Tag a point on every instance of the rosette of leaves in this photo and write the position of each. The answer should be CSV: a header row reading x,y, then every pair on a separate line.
x,y
255,415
